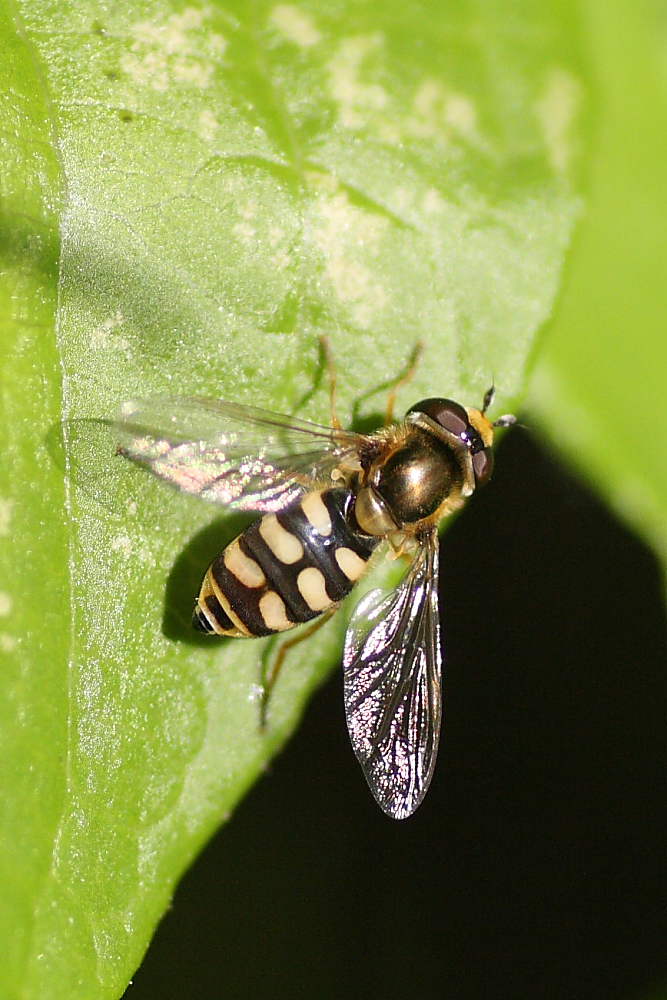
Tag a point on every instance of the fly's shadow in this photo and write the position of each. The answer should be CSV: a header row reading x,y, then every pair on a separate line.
x,y
186,576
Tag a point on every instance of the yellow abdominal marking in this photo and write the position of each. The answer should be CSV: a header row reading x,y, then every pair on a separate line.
x,y
350,563
245,569
312,588
315,510
272,610
285,546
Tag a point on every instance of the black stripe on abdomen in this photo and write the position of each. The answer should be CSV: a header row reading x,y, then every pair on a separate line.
x,y
320,550
209,616
282,577
299,590
243,600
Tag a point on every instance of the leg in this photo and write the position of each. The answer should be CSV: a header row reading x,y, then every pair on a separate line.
x,y
393,385
325,361
271,676
327,356
403,379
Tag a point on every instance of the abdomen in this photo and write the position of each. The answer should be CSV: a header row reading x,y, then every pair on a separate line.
x,y
286,568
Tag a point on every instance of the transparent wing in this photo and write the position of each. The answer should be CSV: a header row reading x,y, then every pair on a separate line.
x,y
392,664
227,453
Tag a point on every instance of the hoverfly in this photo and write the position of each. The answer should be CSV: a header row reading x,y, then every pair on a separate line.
x,y
329,498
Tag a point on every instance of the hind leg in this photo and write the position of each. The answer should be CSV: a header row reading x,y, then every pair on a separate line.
x,y
270,676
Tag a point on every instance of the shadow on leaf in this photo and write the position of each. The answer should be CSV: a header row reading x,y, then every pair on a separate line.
x,y
186,576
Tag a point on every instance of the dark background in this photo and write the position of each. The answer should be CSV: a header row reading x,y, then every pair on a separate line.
x,y
536,865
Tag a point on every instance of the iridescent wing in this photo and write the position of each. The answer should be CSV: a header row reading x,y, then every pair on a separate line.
x,y
392,663
242,456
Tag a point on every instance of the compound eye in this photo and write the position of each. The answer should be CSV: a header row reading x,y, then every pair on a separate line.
x,y
482,463
446,412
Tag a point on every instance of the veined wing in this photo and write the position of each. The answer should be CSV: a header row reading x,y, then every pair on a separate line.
x,y
392,665
243,456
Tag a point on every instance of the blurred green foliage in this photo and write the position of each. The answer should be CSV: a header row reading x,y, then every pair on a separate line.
x,y
599,387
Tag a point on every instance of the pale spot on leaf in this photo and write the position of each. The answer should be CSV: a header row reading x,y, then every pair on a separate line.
x,y
461,114
123,545
281,260
244,231
295,25
103,336
432,203
358,100
208,125
442,114
276,233
557,109
176,50
249,210
217,42
190,71
346,235
6,508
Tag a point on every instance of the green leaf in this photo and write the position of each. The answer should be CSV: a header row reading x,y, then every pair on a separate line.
x,y
599,389
190,197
